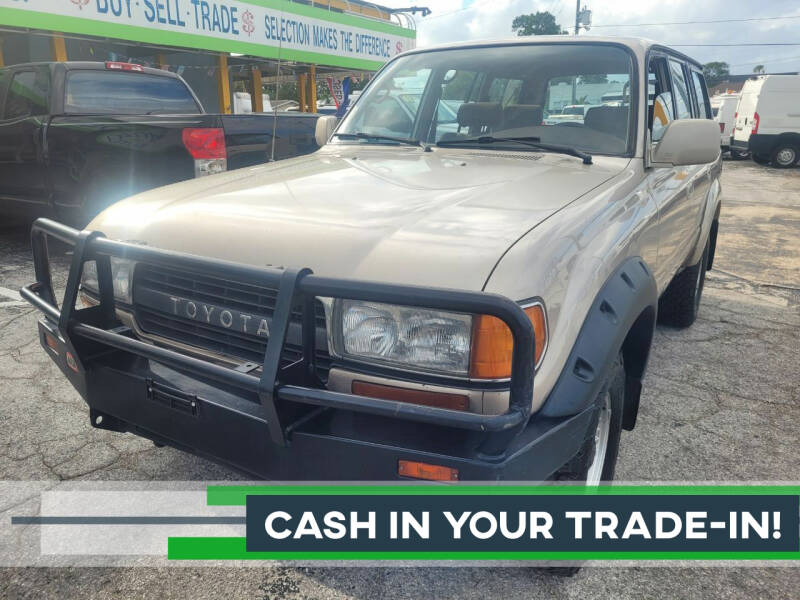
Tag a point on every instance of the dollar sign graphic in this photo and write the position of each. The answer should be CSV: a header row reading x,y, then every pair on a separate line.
x,y
247,22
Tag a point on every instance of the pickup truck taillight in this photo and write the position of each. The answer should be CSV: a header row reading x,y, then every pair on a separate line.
x,y
207,147
755,124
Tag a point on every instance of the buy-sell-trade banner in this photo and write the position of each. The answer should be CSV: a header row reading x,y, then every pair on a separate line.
x,y
266,28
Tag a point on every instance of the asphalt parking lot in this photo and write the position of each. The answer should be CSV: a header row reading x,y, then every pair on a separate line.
x,y
721,403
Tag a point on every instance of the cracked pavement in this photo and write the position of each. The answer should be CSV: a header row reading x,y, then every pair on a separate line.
x,y
721,402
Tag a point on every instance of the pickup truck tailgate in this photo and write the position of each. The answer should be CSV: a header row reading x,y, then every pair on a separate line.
x,y
249,137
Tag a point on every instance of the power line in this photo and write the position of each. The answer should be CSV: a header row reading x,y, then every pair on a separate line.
x,y
700,22
458,10
766,60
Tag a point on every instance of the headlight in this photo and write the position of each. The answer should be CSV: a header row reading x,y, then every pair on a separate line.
x,y
121,274
478,346
404,335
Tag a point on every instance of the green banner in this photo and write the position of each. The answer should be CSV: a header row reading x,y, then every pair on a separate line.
x,y
264,28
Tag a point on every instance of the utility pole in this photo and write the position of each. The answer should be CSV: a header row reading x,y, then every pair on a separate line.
x,y
577,28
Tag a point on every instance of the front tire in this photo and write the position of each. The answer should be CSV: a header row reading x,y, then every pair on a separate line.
x,y
784,155
680,302
596,461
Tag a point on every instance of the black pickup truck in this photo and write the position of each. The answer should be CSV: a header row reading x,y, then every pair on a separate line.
x,y
78,136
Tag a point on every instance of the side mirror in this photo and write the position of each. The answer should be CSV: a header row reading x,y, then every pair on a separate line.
x,y
687,142
324,129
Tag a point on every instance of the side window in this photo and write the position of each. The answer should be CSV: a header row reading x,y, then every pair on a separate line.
x,y
393,105
701,93
660,105
458,87
27,94
5,74
393,118
680,91
504,91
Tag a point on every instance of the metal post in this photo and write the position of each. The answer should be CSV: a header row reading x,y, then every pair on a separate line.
x,y
223,85
258,98
301,88
57,48
577,28
312,81
2,64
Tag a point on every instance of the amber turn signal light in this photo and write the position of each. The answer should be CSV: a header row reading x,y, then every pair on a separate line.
x,y
421,470
426,398
51,342
493,344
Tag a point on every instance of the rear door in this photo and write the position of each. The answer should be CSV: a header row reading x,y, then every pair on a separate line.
x,y
746,109
703,175
23,179
673,188
727,113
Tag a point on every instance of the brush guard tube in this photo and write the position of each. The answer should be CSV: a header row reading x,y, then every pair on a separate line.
x,y
90,331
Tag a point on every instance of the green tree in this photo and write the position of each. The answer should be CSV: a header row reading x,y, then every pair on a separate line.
x,y
539,23
758,69
593,78
715,72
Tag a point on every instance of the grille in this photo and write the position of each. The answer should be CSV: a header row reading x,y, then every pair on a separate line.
x,y
233,295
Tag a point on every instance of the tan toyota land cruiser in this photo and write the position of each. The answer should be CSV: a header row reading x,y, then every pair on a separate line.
x,y
449,289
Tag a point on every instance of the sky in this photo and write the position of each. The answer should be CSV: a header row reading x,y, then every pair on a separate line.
x,y
458,20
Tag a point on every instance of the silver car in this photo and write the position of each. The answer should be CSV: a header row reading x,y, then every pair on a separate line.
x,y
423,297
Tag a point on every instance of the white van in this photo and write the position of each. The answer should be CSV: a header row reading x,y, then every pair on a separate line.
x,y
724,109
768,120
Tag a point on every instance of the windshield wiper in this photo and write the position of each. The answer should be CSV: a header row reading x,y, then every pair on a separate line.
x,y
533,142
388,138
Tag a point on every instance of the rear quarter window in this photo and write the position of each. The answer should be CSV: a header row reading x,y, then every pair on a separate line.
x,y
27,94
701,94
680,91
112,92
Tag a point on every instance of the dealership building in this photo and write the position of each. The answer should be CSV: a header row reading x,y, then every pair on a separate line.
x,y
216,46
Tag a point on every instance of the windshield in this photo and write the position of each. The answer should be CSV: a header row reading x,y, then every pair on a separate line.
x,y
503,91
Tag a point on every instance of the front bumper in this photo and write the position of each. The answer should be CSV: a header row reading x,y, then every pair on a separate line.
x,y
284,424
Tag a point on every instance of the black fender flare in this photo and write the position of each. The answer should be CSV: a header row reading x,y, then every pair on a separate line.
x,y
621,318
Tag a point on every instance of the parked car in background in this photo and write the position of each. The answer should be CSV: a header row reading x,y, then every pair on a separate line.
x,y
724,107
243,103
483,298
615,98
77,136
572,113
768,120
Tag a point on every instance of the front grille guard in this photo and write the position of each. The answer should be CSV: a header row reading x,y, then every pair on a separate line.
x,y
296,288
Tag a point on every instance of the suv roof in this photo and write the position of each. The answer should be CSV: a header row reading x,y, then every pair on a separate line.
x,y
640,46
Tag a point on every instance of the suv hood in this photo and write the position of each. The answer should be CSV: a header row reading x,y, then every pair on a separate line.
x,y
440,218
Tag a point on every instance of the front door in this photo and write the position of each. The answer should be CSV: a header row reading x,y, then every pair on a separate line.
x,y
674,189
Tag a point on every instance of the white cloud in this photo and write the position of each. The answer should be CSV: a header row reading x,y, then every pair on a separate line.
x,y
457,20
